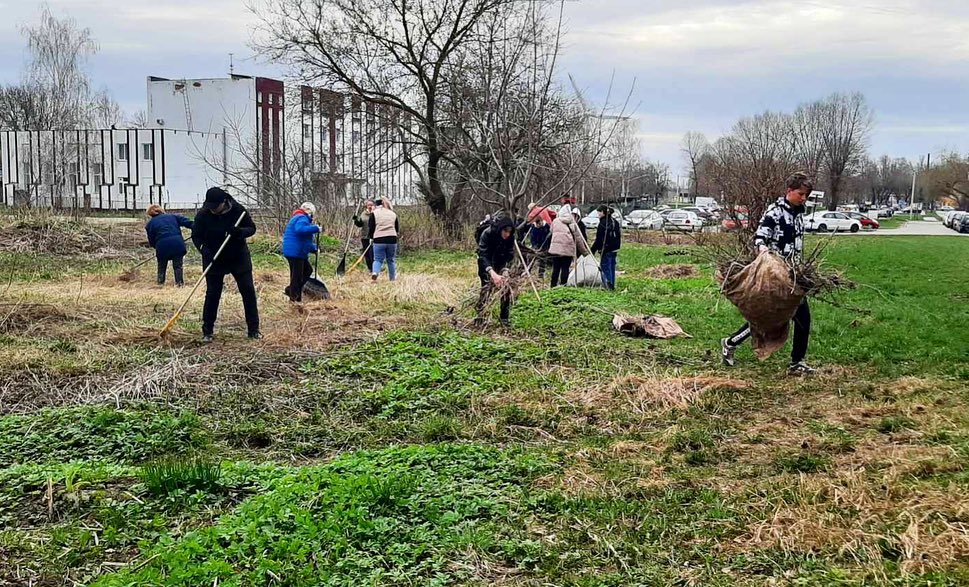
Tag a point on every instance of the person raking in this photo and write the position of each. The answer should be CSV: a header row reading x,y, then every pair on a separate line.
x,y
781,231
213,223
164,232
298,243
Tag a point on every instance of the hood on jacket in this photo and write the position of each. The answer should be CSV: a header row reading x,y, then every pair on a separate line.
x,y
566,218
502,223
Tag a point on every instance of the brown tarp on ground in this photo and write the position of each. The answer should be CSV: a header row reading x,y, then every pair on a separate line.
x,y
652,326
767,297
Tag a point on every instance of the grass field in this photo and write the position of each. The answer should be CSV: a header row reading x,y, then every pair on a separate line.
x,y
376,439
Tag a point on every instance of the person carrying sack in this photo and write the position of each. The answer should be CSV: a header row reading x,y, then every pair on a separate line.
x,y
216,220
164,233
298,243
781,232
608,241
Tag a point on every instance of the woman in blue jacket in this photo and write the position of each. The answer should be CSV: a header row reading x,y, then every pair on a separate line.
x,y
165,236
298,243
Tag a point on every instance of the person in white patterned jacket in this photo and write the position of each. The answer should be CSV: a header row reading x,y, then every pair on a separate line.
x,y
781,231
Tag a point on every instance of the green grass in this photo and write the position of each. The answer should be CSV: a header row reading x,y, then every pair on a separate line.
x,y
429,455
100,434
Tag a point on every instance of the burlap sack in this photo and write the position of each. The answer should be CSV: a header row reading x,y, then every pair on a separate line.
x,y
766,295
652,326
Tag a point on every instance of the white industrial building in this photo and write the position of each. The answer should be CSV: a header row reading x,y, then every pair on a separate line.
x,y
199,131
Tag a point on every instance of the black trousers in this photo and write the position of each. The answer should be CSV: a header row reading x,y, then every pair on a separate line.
x,y
560,270
487,289
214,282
802,332
177,266
300,271
367,251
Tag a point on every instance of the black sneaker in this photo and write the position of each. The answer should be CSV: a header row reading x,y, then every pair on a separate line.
x,y
255,336
505,322
373,277
207,338
800,369
727,352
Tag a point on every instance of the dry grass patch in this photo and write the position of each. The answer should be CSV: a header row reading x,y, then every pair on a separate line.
x,y
861,514
672,271
648,394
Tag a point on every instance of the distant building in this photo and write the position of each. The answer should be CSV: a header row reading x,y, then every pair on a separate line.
x,y
199,132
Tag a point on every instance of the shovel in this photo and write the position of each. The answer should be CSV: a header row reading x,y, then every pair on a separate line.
x,y
314,286
360,258
178,313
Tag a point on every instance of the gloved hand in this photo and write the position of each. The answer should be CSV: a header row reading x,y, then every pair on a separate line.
x,y
236,232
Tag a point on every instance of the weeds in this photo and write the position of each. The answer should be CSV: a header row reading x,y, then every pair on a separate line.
x,y
171,475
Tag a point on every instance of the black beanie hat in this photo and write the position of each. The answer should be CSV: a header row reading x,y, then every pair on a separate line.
x,y
214,198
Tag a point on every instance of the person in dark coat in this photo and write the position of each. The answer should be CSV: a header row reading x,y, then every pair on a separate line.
x,y
583,229
496,249
298,243
608,241
363,223
165,236
213,223
540,237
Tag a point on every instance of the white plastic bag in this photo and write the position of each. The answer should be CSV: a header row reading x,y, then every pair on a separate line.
x,y
586,273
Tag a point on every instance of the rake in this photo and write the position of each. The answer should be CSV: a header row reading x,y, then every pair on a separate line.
x,y
178,313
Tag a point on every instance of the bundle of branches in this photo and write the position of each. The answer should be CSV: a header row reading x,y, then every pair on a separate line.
x,y
811,273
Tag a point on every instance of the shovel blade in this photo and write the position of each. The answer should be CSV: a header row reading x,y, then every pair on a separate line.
x,y
341,269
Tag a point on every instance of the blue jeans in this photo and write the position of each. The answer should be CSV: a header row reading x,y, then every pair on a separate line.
x,y
385,254
608,265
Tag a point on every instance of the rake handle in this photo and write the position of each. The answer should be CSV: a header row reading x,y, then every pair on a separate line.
x,y
171,322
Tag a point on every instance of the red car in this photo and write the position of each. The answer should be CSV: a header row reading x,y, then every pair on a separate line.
x,y
865,221
730,223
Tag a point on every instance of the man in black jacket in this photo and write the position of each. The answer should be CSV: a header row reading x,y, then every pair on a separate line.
x,y
216,220
608,240
781,231
496,248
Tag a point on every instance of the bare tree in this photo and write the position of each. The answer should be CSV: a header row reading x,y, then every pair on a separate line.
x,y
751,163
947,179
693,148
22,107
884,178
844,125
392,53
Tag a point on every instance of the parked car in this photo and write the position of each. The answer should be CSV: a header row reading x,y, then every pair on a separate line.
x,y
591,220
963,225
955,219
952,218
877,213
706,215
735,222
644,220
825,221
865,221
683,220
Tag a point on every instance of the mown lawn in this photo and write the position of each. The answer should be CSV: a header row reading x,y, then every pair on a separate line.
x,y
376,440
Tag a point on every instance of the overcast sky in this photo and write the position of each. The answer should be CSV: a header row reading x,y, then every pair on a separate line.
x,y
697,64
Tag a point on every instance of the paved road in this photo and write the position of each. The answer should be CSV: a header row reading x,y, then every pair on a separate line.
x,y
916,228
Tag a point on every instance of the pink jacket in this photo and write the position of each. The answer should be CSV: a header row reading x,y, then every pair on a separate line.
x,y
566,238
